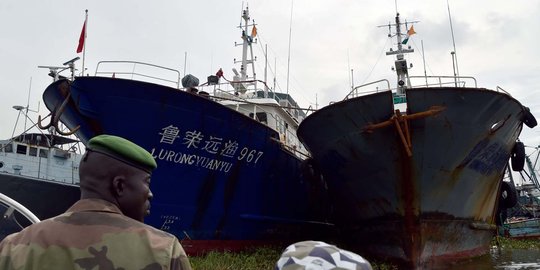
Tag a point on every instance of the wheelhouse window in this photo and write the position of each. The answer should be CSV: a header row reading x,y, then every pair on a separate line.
x,y
44,153
33,151
260,116
8,148
21,149
279,125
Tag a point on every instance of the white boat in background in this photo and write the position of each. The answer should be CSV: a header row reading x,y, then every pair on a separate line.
x,y
40,171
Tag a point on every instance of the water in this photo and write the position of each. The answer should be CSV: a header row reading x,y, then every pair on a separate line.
x,y
516,259
503,259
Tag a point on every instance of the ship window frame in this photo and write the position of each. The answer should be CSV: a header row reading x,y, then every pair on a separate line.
x,y
279,124
44,153
261,117
8,148
32,151
22,149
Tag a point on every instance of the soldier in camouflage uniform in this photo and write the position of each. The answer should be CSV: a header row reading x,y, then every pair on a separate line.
x,y
104,229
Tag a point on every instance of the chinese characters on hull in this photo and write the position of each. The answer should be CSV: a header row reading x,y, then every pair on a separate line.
x,y
224,152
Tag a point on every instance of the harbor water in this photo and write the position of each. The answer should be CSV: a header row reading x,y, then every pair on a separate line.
x,y
503,258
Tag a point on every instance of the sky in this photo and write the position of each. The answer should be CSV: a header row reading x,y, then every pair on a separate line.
x,y
496,41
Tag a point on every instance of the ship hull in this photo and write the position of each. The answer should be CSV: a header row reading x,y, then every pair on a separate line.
x,y
522,229
221,177
421,191
43,198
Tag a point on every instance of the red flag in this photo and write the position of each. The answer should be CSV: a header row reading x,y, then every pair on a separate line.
x,y
82,38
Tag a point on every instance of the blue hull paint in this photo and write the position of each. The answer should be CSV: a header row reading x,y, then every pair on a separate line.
x,y
526,228
221,175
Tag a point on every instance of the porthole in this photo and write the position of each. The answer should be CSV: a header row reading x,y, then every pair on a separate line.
x,y
1,164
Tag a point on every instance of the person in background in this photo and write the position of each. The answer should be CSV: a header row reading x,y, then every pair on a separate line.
x,y
104,229
316,255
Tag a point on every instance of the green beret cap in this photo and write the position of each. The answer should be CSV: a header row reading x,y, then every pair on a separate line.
x,y
122,150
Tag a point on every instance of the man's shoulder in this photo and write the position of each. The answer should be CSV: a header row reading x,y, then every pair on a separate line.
x,y
28,233
155,232
94,223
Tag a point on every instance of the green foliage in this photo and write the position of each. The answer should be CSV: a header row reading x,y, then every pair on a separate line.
x,y
509,243
257,259
266,258
382,266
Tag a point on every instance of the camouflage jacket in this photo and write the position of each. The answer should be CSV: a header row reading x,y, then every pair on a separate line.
x,y
92,234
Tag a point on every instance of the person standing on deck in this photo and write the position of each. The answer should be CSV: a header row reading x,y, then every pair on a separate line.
x,y
104,229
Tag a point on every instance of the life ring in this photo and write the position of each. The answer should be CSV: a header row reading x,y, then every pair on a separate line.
x,y
528,118
517,157
508,195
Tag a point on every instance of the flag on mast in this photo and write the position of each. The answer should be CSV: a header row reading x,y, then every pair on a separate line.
x,y
254,31
82,37
410,32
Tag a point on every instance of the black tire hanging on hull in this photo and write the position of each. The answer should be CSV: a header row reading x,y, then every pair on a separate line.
x,y
508,195
528,118
517,157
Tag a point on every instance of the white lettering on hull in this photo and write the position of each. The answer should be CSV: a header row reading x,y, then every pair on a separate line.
x,y
190,159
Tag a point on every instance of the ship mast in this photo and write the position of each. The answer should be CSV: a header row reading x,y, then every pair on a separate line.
x,y
400,63
248,40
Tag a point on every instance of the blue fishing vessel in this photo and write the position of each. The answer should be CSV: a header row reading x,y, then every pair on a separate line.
x,y
415,171
521,228
229,162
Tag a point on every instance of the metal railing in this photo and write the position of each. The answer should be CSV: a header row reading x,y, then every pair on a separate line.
x,y
14,205
499,89
354,92
134,72
429,81
440,81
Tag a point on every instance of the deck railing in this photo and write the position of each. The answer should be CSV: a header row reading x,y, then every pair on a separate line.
x,y
442,81
355,91
416,82
138,69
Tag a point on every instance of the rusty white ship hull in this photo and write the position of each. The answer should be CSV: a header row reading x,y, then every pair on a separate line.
x,y
419,188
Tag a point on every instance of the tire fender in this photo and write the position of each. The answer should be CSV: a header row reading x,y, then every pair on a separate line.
x,y
517,157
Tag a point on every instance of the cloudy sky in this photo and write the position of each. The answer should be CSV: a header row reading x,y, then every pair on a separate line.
x,y
496,42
